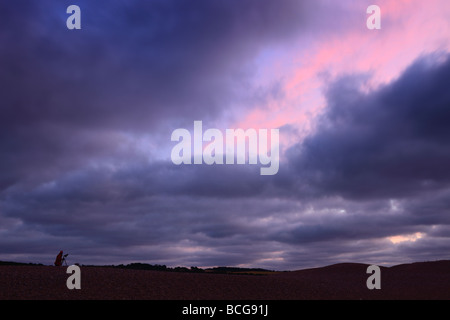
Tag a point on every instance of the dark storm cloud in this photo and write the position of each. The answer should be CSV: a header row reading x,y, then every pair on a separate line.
x,y
359,224
160,211
102,217
391,142
173,58
91,210
383,157
67,97
146,68
134,68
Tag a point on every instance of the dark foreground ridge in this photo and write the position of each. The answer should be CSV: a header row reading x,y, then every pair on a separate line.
x,y
422,280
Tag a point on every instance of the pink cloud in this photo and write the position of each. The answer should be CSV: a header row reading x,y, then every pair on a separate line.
x,y
409,28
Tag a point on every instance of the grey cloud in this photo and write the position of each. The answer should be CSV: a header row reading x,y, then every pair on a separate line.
x,y
132,68
392,142
68,97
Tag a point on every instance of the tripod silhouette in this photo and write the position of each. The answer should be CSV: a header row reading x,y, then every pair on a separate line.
x,y
64,259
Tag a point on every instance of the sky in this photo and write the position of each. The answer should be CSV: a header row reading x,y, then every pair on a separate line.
x,y
86,118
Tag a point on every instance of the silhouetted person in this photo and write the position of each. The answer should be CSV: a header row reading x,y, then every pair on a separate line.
x,y
58,261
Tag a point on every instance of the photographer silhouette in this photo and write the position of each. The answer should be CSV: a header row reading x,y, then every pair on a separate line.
x,y
60,259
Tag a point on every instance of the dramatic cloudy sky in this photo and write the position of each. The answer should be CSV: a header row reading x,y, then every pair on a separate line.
x,y
86,118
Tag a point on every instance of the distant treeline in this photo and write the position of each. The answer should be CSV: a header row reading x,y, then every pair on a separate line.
x,y
11,263
158,267
224,270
